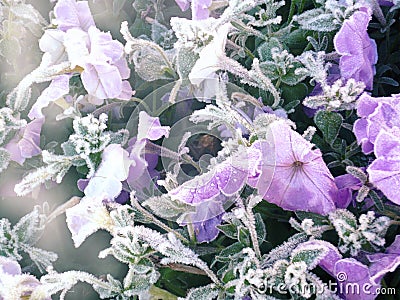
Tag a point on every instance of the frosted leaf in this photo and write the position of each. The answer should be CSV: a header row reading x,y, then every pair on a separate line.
x,y
19,97
165,207
207,292
4,159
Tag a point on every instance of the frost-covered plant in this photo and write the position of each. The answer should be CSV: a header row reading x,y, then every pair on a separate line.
x,y
240,156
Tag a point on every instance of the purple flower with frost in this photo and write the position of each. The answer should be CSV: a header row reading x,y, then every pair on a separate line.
x,y
209,191
73,14
205,219
384,172
358,52
14,284
87,217
376,114
149,128
349,271
57,89
293,176
26,143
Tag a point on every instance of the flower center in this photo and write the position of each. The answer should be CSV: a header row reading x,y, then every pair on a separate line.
x,y
297,164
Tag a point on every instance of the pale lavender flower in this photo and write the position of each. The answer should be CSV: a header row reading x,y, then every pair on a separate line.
x,y
14,284
149,128
358,52
376,114
87,217
293,176
73,14
384,172
114,168
26,143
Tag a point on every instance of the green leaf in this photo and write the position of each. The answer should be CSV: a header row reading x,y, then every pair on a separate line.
x,y
311,255
329,123
260,228
244,236
230,230
226,254
264,50
293,93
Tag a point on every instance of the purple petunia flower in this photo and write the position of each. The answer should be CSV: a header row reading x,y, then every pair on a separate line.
x,y
293,176
358,52
356,281
26,143
209,191
376,114
384,172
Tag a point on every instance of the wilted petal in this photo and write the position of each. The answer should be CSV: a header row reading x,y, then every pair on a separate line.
x,y
26,143
70,14
150,127
205,219
57,88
